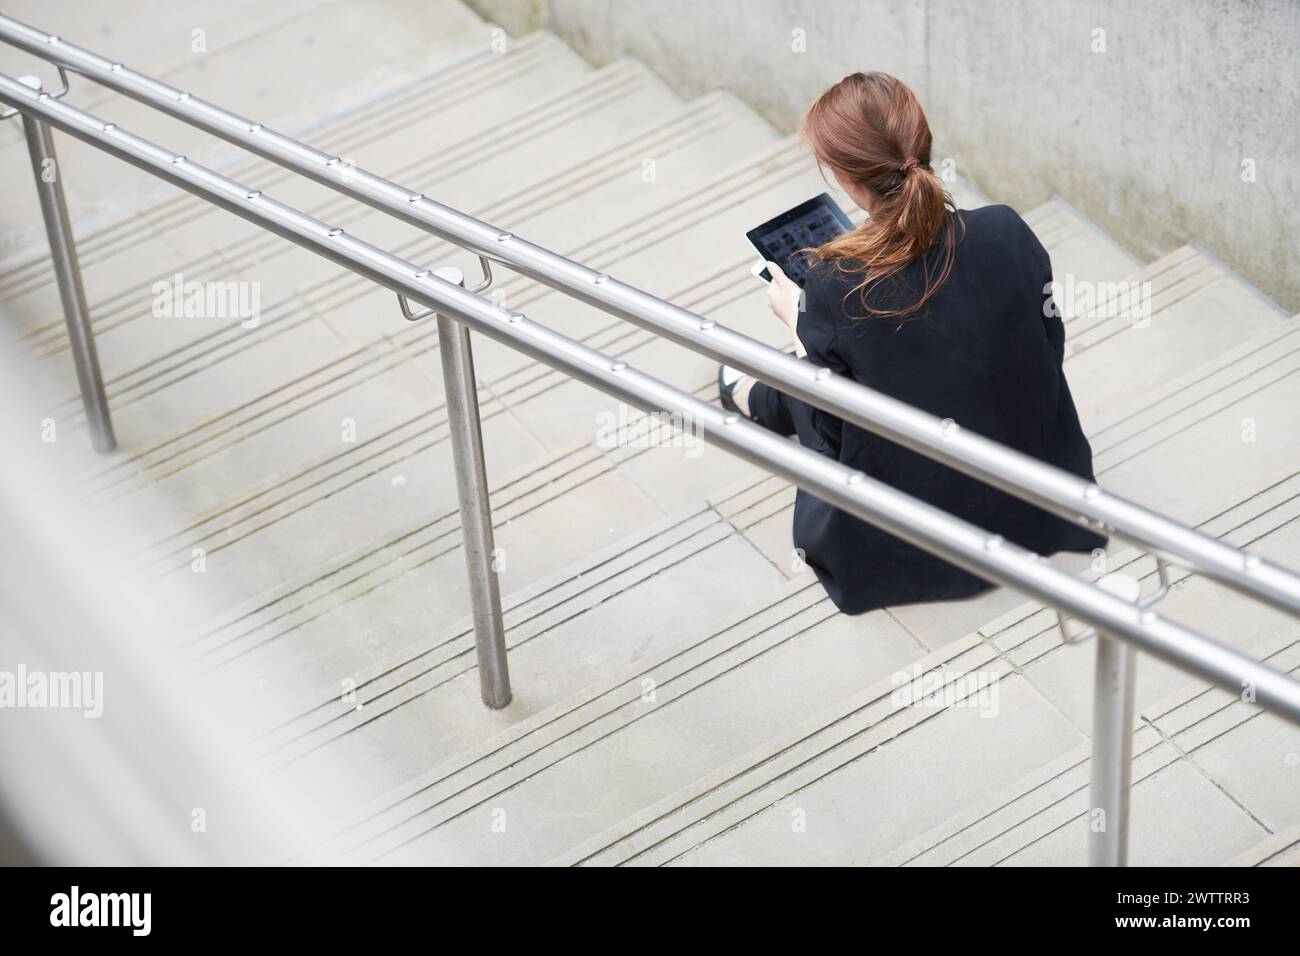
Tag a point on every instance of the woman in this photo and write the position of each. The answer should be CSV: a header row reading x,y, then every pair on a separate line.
x,y
948,311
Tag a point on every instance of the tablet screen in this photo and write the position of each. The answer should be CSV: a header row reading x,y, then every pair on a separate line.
x,y
808,225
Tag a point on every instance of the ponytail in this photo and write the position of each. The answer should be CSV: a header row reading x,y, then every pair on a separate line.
x,y
872,131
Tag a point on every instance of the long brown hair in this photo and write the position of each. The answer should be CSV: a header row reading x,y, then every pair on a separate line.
x,y
870,128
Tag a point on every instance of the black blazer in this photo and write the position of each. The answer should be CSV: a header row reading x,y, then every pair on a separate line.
x,y
986,351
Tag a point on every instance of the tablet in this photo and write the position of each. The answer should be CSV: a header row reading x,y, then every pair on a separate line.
x,y
807,225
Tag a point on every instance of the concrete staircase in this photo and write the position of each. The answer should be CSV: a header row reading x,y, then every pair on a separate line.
x,y
684,692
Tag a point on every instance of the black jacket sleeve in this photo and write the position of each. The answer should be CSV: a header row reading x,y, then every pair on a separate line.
x,y
816,327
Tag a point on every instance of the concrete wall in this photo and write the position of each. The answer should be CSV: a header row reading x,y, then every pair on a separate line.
x,y
1151,116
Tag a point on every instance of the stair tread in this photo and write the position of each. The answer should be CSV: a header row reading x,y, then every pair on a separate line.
x,y
1280,849
365,51
1078,247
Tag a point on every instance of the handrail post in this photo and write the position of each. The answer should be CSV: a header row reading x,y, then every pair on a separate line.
x,y
1112,752
475,508
1112,739
67,271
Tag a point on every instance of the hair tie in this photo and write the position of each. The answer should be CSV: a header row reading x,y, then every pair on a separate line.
x,y
908,166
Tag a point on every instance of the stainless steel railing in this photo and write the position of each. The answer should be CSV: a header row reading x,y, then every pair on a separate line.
x,y
1113,607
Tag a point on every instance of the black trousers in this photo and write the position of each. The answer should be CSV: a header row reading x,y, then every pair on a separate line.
x,y
775,410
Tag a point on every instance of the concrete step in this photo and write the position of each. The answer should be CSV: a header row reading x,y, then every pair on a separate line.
x,y
361,315
1198,310
863,785
263,61
351,321
1079,248
421,567
1205,764
1281,849
532,68
394,431
137,346
1243,753
1062,676
1265,360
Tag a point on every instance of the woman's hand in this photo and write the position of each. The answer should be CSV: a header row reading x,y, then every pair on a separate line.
x,y
783,298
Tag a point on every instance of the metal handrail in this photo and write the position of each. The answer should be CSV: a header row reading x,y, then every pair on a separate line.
x,y
1112,606
1014,472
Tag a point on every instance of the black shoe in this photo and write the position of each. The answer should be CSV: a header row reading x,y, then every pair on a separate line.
x,y
728,379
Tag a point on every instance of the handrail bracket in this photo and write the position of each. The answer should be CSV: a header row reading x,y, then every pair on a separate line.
x,y
483,286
